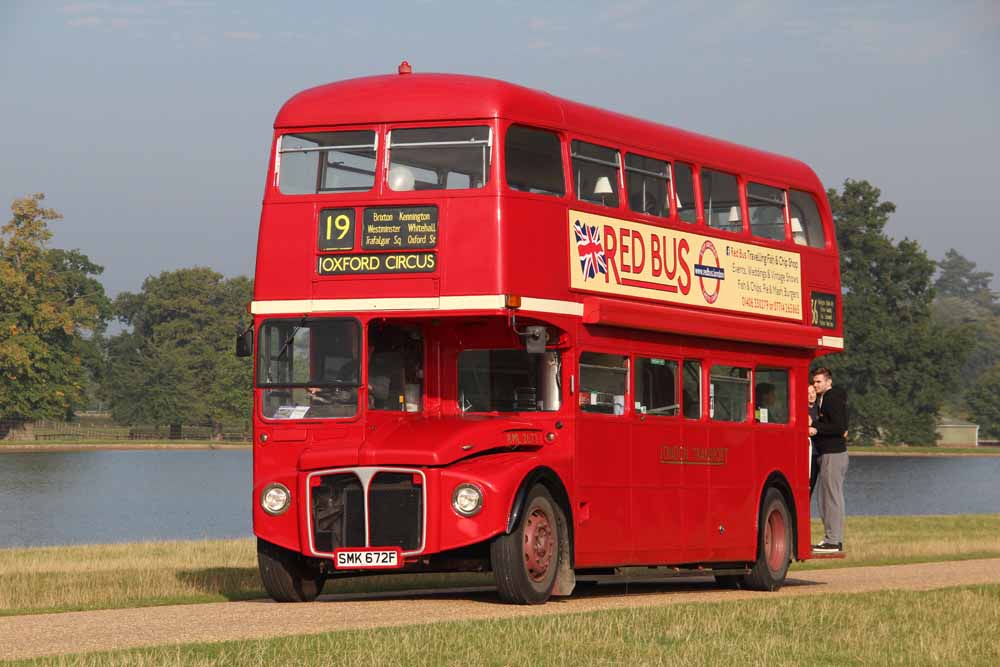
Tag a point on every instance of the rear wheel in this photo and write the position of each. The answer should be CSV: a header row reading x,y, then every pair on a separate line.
x,y
287,576
774,544
525,563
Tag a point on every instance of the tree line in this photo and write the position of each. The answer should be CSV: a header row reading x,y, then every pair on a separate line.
x,y
922,338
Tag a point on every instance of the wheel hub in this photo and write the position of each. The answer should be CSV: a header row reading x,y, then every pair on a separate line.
x,y
539,544
775,540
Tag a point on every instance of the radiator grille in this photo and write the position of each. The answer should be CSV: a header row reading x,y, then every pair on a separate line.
x,y
338,512
395,509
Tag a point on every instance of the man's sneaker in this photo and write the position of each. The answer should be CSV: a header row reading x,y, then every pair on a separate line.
x,y
825,547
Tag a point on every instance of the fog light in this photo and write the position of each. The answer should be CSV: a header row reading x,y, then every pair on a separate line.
x,y
467,499
275,499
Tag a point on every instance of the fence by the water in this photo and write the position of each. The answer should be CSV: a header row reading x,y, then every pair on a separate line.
x,y
100,428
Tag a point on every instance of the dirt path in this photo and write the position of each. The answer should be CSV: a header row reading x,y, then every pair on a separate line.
x,y
77,632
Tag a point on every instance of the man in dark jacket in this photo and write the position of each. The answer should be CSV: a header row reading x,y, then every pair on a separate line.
x,y
828,439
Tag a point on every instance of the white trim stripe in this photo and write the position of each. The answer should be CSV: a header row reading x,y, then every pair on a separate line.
x,y
444,303
832,341
552,306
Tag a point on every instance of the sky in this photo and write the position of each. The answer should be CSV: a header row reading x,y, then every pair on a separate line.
x,y
147,123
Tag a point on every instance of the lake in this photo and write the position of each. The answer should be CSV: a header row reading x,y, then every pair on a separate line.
x,y
49,498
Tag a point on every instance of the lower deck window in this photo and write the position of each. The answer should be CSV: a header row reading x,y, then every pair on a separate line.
x,y
729,393
395,367
508,381
309,368
656,387
771,396
602,382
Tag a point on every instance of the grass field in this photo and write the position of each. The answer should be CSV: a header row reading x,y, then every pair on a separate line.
x,y
53,579
949,626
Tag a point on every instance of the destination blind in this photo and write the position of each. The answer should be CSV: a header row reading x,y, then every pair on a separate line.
x,y
394,228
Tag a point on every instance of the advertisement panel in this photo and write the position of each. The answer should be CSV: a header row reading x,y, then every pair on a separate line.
x,y
624,258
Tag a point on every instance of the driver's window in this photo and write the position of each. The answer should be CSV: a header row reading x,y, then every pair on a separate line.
x,y
656,387
395,367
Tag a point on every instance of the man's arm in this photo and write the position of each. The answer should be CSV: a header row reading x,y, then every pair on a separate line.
x,y
835,412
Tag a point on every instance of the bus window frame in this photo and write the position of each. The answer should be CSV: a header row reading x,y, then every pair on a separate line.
x,y
765,365
258,389
489,187
678,384
273,189
627,410
829,232
649,218
786,243
507,190
749,363
575,201
744,232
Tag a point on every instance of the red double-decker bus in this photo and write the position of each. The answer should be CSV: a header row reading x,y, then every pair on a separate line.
x,y
498,330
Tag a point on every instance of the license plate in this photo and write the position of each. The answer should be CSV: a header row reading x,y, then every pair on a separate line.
x,y
368,559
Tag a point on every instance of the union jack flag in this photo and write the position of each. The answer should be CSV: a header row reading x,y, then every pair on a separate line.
x,y
591,250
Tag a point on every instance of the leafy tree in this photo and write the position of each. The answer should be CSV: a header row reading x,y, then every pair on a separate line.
x,y
176,365
898,363
965,301
51,306
959,278
984,403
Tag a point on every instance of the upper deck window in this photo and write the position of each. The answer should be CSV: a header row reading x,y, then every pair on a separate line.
x,y
534,161
595,173
807,227
314,162
439,158
766,208
648,183
721,198
684,193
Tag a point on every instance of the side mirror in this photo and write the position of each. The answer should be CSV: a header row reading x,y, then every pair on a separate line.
x,y
244,343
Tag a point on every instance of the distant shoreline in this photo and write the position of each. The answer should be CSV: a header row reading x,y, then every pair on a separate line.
x,y
34,446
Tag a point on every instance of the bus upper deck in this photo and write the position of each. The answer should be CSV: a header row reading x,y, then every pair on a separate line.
x,y
454,193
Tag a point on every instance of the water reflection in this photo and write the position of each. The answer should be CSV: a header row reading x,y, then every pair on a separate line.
x,y
123,496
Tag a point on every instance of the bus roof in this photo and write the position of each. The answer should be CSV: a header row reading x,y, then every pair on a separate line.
x,y
406,98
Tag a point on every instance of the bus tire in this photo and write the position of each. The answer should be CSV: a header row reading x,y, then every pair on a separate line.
x,y
526,561
286,576
774,544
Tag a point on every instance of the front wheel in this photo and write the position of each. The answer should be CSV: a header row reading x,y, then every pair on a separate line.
x,y
525,562
774,544
286,575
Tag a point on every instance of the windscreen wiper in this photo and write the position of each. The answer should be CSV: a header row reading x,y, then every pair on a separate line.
x,y
289,339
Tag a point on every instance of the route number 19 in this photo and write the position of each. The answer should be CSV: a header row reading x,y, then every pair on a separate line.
x,y
336,229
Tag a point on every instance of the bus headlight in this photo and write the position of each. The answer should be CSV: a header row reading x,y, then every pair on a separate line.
x,y
275,499
467,499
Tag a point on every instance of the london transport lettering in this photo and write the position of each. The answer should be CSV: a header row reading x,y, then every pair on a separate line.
x,y
635,259
679,454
